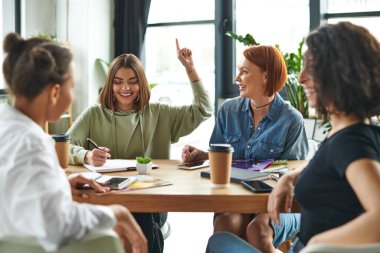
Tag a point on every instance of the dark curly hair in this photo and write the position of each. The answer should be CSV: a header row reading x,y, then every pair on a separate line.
x,y
345,65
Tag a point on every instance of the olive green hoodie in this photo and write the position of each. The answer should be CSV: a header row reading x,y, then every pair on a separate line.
x,y
148,132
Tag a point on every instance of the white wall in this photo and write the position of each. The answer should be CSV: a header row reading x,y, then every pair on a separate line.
x,y
1,51
91,36
87,26
7,25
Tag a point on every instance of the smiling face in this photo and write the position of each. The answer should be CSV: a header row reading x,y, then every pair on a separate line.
x,y
125,88
307,81
251,80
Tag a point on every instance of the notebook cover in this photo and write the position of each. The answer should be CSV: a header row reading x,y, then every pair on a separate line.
x,y
251,165
238,175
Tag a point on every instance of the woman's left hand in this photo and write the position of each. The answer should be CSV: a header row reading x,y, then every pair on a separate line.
x,y
77,181
281,198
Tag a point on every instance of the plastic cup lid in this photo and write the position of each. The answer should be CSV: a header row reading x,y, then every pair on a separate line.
x,y
221,147
61,137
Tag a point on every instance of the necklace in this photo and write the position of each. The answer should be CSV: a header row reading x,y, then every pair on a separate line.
x,y
254,107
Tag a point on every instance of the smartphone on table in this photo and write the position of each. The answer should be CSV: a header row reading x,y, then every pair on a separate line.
x,y
118,183
257,186
194,165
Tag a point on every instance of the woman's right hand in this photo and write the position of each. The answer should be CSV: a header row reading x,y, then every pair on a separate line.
x,y
185,56
281,198
190,154
130,233
97,157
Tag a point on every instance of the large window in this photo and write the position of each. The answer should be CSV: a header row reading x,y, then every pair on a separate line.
x,y
163,67
273,22
365,13
164,11
352,6
202,29
194,28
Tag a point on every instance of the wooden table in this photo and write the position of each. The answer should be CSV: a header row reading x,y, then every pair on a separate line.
x,y
189,192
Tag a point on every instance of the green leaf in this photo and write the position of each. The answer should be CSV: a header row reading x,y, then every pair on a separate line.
x,y
143,159
327,127
248,40
152,85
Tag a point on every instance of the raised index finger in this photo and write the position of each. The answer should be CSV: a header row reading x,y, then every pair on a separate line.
x,y
177,44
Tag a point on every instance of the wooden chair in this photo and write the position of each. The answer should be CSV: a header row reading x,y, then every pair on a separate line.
x,y
285,246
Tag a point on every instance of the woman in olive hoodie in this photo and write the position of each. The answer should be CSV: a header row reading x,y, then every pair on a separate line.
x,y
126,125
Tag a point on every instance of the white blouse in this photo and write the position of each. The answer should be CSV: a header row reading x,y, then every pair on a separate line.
x,y
35,195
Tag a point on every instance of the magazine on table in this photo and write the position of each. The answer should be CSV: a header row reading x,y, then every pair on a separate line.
x,y
145,181
252,165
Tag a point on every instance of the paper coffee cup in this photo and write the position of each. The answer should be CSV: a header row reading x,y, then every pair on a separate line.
x,y
220,156
62,146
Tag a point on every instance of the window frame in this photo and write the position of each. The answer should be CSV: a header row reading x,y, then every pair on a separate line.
x,y
319,14
224,47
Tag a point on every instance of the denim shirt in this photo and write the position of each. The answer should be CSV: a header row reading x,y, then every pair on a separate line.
x,y
279,135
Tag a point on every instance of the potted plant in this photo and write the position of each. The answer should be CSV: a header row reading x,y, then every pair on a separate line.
x,y
293,61
143,165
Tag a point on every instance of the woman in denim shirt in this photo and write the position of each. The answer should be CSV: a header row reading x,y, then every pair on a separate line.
x,y
258,124
280,134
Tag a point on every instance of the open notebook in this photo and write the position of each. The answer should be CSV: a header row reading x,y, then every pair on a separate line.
x,y
115,165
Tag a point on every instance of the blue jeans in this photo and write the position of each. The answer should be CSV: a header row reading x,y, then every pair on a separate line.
x,y
224,242
288,228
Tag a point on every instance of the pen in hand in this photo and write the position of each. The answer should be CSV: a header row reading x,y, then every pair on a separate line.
x,y
98,156
93,143
96,146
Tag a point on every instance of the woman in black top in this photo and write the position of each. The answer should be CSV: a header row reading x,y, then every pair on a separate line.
x,y
339,189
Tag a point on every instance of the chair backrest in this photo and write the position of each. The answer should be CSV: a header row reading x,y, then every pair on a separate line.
x,y
313,147
95,242
329,248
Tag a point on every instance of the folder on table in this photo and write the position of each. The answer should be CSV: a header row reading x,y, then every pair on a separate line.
x,y
238,175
